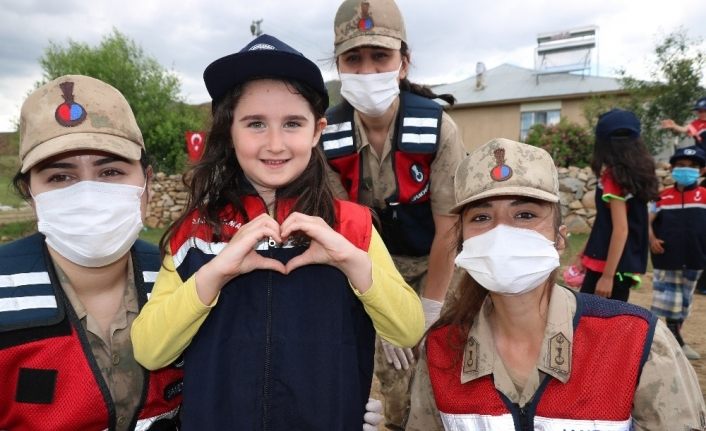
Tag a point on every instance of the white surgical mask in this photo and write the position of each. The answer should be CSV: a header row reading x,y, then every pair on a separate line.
x,y
370,93
90,223
509,260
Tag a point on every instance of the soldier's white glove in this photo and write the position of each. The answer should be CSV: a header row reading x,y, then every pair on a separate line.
x,y
397,356
373,415
432,310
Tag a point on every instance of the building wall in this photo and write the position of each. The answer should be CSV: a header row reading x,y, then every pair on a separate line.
x,y
479,124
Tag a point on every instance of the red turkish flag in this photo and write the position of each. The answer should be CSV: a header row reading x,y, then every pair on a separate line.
x,y
195,143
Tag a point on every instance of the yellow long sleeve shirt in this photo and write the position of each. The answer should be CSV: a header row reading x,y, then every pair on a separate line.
x,y
174,313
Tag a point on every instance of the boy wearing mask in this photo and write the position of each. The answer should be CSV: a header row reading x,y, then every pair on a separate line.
x,y
678,242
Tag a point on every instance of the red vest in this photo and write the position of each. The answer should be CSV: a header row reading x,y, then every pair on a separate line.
x,y
49,379
61,361
608,352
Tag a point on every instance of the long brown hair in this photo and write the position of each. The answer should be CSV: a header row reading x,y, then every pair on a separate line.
x,y
217,180
630,163
463,309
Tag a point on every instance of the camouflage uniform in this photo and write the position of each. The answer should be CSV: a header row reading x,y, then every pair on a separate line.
x,y
121,373
379,23
667,397
378,182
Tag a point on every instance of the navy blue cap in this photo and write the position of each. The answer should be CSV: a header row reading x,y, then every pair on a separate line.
x,y
694,153
700,104
618,120
264,57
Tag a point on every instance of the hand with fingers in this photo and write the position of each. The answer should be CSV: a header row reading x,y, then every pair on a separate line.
x,y
398,357
328,247
238,257
373,415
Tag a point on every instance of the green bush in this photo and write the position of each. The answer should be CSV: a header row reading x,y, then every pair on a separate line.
x,y
570,144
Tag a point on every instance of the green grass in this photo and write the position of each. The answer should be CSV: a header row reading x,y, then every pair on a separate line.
x,y
574,246
8,167
12,231
152,235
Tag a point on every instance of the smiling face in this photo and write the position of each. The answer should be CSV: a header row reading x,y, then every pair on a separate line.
x,y
274,131
484,215
69,168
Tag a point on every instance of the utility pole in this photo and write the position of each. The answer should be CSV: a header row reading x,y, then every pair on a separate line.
x,y
255,27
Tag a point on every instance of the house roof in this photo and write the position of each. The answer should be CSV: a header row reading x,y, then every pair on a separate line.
x,y
507,83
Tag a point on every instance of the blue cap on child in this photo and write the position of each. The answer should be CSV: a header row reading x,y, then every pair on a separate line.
x,y
694,153
700,104
618,122
264,57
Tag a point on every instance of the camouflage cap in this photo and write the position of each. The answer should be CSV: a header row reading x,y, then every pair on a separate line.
x,y
368,23
76,112
502,167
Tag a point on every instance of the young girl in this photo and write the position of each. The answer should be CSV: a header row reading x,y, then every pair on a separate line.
x,y
616,251
269,284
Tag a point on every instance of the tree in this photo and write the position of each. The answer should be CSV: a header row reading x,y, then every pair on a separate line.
x,y
570,144
152,91
675,85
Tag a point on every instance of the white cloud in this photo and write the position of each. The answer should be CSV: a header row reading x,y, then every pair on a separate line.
x,y
447,37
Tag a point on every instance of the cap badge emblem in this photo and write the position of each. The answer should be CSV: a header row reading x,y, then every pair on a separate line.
x,y
689,152
501,171
366,21
261,46
69,113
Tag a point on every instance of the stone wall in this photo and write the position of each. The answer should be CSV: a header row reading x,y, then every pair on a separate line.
x,y
168,200
576,187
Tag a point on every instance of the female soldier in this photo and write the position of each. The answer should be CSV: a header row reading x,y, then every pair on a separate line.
x,y
516,351
392,148
69,294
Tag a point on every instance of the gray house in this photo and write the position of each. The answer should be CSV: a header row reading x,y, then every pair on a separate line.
x,y
507,100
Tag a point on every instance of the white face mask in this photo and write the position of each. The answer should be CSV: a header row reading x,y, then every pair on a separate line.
x,y
509,260
371,93
90,223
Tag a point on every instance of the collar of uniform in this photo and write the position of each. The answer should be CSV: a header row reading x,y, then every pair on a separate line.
x,y
362,137
555,355
129,299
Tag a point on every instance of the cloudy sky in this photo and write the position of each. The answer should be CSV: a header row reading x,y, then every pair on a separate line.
x,y
447,37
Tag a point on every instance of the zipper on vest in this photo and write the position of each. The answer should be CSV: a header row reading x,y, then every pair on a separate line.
x,y
268,353
525,422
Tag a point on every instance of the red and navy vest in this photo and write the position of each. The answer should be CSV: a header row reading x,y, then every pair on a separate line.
x,y
681,224
407,222
50,379
612,341
277,352
634,257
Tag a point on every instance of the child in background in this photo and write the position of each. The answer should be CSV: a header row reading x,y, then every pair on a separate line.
x,y
271,289
616,251
678,242
695,129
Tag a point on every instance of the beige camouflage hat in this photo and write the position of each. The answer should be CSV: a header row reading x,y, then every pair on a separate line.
x,y
76,112
502,167
368,22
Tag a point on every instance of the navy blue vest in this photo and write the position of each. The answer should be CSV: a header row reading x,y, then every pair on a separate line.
x,y
407,225
634,258
681,224
277,352
30,297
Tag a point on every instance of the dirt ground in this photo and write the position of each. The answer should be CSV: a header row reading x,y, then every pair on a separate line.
x,y
693,332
